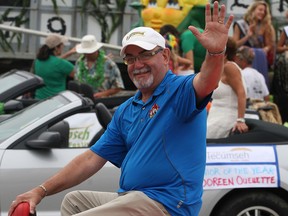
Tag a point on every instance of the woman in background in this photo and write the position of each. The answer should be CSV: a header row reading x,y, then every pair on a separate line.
x,y
53,69
257,31
227,111
178,64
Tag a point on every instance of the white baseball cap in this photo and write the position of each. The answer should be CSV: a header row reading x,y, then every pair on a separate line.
x,y
144,37
88,45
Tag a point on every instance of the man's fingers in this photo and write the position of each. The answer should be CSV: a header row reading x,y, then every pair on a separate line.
x,y
208,13
222,11
32,208
195,31
220,17
229,21
215,11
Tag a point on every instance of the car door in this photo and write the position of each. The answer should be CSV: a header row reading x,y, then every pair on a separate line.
x,y
23,169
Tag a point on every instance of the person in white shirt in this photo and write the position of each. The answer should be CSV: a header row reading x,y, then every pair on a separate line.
x,y
255,82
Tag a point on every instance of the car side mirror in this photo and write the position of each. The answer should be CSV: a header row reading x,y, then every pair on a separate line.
x,y
46,140
12,106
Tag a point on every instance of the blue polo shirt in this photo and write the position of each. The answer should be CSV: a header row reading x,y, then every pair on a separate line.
x,y
160,145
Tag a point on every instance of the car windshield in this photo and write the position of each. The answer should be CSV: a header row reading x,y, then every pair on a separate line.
x,y
28,116
11,80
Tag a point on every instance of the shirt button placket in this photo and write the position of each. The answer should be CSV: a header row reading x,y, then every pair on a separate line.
x,y
142,118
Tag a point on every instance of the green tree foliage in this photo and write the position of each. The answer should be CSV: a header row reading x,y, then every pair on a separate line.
x,y
108,18
17,21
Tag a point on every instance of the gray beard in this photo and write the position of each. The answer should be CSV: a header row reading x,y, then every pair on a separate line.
x,y
143,83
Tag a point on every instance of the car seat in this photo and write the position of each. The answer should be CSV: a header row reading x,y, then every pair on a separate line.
x,y
268,111
63,128
87,91
110,102
104,117
103,114
73,85
259,132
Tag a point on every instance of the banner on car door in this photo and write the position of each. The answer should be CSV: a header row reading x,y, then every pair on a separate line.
x,y
241,167
83,127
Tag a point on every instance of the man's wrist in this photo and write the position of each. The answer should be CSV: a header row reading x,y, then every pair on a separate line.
x,y
217,53
241,120
45,192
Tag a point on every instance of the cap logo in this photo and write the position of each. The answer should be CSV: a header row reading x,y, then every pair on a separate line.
x,y
134,34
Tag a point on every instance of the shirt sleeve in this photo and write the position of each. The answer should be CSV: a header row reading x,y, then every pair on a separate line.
x,y
66,66
114,75
185,104
111,145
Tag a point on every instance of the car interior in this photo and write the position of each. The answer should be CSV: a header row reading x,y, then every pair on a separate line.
x,y
87,91
259,132
57,136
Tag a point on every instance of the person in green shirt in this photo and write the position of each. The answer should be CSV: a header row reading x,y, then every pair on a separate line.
x,y
53,69
192,49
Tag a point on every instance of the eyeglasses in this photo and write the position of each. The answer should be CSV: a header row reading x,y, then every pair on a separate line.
x,y
128,60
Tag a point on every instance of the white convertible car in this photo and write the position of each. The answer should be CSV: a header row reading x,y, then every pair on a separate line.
x,y
246,175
